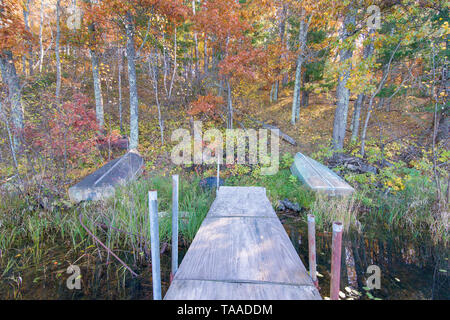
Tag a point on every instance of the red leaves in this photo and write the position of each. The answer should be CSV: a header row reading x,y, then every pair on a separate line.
x,y
70,131
207,105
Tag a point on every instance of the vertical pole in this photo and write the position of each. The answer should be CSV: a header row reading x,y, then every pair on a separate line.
x,y
312,249
174,226
154,239
336,260
218,173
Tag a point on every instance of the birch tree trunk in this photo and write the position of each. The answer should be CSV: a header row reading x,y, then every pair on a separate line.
x,y
58,58
41,44
230,105
342,92
175,66
368,51
120,68
9,76
302,34
152,61
26,18
281,29
134,116
97,89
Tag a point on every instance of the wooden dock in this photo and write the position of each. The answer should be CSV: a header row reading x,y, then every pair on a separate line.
x,y
241,251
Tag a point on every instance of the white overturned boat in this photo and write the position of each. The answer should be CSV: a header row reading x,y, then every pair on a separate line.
x,y
319,177
101,184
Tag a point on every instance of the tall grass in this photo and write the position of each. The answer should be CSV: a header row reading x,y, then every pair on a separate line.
x,y
328,209
121,223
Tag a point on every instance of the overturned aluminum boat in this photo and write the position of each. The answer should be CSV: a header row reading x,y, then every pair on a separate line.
x,y
319,177
101,184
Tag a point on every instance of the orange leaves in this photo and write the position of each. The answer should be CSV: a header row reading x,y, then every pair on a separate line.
x,y
221,18
12,27
206,105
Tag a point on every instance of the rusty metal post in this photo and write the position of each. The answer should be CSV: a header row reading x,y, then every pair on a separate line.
x,y
154,242
336,247
312,249
174,226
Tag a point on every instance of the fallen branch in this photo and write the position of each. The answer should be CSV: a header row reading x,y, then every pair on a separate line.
x,y
105,247
282,135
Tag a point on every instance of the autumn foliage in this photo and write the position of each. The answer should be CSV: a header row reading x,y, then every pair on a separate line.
x,y
71,131
207,105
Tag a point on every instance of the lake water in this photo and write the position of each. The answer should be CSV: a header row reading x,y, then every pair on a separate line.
x,y
409,270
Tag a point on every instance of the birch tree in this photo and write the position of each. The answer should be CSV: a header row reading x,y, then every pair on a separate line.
x,y
58,58
302,36
342,92
132,83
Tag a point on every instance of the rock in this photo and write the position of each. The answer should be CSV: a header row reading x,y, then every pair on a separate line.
x,y
290,205
210,183
101,184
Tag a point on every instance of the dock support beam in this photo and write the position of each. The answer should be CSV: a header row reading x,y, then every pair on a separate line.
x,y
154,239
336,260
312,249
174,226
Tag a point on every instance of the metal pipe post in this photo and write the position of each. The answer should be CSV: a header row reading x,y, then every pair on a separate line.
x,y
154,239
174,226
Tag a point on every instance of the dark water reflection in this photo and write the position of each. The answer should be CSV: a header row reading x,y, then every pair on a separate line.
x,y
409,269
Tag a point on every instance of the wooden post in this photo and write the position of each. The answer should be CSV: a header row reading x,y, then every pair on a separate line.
x,y
336,260
174,226
312,249
154,239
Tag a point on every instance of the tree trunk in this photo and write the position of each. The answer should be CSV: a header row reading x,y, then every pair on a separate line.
x,y
357,115
230,105
175,66
120,68
26,16
41,44
196,44
367,53
134,116
58,58
302,34
152,61
205,57
9,76
342,92
97,89
305,99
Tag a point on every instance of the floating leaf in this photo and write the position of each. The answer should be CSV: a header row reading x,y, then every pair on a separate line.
x,y
341,294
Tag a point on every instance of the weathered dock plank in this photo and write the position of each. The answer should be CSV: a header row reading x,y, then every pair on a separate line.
x,y
241,251
223,290
319,177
